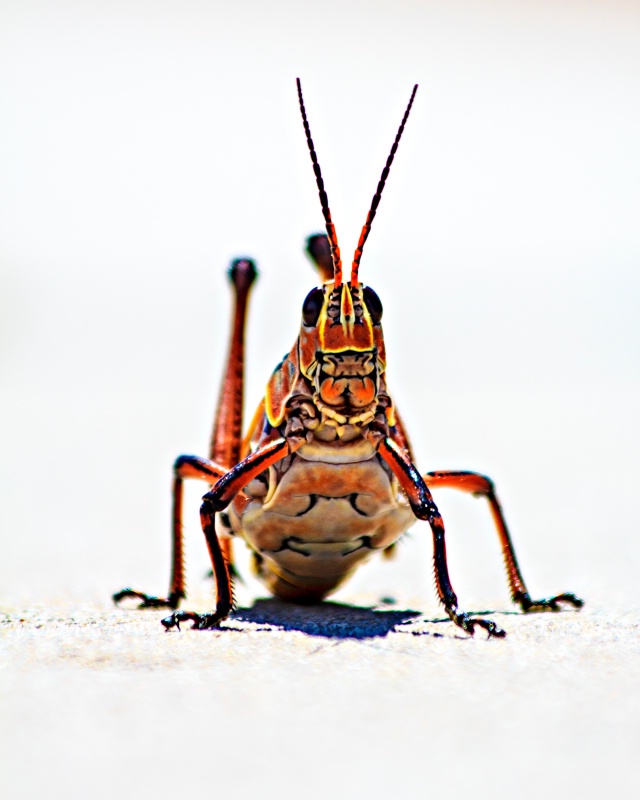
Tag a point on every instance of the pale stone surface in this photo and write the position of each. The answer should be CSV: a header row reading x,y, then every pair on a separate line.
x,y
332,700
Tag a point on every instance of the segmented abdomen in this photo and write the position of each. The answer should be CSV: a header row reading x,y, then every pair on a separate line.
x,y
311,522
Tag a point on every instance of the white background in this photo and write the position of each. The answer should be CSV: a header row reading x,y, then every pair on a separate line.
x,y
145,144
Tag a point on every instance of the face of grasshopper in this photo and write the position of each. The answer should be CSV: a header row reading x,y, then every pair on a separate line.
x,y
341,347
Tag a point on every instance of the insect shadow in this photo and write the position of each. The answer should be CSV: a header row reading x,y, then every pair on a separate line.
x,y
329,619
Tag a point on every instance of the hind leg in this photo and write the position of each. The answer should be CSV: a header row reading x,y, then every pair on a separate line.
x,y
224,449
226,437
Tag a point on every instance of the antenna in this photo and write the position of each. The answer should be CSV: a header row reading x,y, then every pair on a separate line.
x,y
376,197
324,201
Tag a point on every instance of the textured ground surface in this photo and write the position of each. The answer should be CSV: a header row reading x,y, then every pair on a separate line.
x,y
335,700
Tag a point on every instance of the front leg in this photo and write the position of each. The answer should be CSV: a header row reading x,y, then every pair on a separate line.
x,y
217,500
424,508
221,573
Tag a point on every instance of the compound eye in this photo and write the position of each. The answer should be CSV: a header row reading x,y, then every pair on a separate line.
x,y
374,306
312,307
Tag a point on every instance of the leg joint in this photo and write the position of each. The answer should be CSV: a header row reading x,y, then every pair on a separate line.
x,y
490,485
180,462
212,502
487,490
427,511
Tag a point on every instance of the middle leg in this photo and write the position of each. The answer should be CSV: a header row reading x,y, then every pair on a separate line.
x,y
184,467
479,485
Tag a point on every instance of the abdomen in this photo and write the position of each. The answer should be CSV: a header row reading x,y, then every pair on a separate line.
x,y
318,515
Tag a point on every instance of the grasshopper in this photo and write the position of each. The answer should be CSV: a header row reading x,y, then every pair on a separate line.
x,y
325,477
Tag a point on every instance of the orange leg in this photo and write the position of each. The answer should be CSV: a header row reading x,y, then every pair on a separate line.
x,y
184,467
226,437
224,450
476,484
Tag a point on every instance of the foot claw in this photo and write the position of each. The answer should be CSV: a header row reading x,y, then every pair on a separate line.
x,y
147,600
554,604
468,625
201,622
490,627
172,621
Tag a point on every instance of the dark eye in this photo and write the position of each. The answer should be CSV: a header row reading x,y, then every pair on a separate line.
x,y
374,306
312,307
